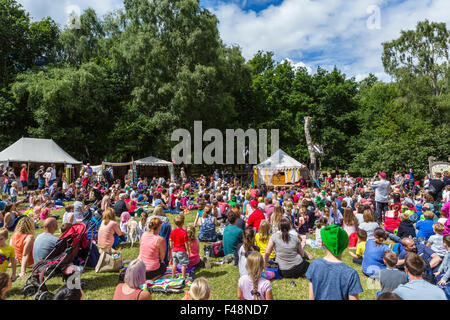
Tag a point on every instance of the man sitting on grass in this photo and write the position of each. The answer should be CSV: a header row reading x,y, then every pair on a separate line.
x,y
46,241
417,288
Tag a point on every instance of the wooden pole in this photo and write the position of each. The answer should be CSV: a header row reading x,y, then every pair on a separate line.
x,y
309,143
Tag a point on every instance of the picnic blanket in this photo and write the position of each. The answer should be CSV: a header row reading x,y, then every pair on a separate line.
x,y
166,281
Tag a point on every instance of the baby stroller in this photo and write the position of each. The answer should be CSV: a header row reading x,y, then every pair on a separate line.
x,y
93,219
69,246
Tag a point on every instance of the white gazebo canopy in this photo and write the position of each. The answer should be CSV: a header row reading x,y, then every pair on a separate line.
x,y
152,161
36,150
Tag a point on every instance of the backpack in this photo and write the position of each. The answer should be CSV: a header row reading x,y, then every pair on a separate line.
x,y
215,250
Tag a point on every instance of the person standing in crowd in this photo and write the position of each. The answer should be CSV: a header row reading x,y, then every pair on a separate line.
x,y
2,178
24,179
53,176
381,196
39,175
48,177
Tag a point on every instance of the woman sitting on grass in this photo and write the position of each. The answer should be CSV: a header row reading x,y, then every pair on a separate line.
x,y
109,232
152,250
373,254
134,278
23,240
11,217
288,247
207,225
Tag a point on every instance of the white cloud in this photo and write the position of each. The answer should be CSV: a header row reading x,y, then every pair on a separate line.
x,y
326,32
57,10
297,65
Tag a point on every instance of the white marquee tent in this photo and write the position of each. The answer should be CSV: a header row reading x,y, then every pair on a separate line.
x,y
36,151
279,162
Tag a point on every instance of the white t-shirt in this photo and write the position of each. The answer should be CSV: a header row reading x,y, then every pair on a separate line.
x,y
78,211
67,217
436,241
446,196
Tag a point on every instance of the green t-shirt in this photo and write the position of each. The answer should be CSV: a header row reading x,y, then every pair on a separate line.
x,y
232,235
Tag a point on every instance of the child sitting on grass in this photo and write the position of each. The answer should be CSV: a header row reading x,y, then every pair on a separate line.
x,y
5,284
317,243
179,245
262,238
406,227
252,286
68,216
425,227
65,227
194,257
248,246
360,247
391,277
435,242
7,254
44,213
199,290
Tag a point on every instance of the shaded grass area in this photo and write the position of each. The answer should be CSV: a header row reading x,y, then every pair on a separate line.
x,y
223,279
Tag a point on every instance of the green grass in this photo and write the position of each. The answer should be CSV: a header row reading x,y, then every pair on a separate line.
x,y
223,279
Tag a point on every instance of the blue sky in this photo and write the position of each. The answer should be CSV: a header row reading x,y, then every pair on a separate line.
x,y
311,33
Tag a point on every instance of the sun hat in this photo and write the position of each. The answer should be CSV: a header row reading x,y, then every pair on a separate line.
x,y
125,216
334,238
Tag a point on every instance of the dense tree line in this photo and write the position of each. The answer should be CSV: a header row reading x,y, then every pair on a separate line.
x,y
119,85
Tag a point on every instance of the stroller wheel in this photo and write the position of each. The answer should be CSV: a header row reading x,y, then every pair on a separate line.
x,y
29,290
44,296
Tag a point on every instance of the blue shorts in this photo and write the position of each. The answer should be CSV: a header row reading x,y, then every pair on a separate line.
x,y
24,183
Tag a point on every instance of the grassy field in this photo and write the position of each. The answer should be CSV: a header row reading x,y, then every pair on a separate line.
x,y
223,279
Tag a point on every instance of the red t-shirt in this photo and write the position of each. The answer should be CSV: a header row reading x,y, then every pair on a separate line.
x,y
85,181
23,175
255,218
179,237
132,203
172,199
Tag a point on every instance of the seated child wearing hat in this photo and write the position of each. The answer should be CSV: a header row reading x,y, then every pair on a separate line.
x,y
330,278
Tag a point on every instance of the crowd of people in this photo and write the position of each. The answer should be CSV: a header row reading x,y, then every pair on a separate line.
x,y
397,229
